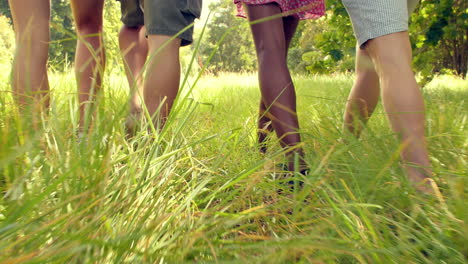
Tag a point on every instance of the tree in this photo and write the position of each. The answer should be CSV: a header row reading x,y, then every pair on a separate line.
x,y
7,42
5,9
62,35
230,37
328,43
438,30
440,37
112,25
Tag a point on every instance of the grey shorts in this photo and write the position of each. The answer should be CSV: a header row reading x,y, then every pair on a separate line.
x,y
375,18
132,13
163,17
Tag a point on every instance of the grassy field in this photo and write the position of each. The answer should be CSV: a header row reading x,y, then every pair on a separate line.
x,y
200,192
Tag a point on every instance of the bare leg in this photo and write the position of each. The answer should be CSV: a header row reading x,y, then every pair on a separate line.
x,y
264,123
403,103
364,95
278,94
134,48
290,24
90,55
162,77
31,22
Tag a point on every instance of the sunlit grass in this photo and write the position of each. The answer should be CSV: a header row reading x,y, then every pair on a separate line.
x,y
201,192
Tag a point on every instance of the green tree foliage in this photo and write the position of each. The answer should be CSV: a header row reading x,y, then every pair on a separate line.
x,y
440,37
235,53
438,29
63,40
7,40
7,36
328,43
5,9
112,25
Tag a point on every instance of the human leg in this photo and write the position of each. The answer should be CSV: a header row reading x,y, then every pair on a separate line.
x,y
364,95
134,48
168,28
90,55
278,93
403,103
381,27
290,24
29,78
265,127
162,76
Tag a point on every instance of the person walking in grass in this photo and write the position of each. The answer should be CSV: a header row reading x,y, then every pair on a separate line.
x,y
157,28
134,48
272,36
29,78
383,66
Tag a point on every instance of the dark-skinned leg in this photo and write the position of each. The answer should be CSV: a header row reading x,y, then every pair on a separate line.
x,y
276,85
265,126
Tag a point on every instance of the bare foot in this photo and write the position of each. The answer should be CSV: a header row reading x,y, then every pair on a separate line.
x,y
132,123
420,179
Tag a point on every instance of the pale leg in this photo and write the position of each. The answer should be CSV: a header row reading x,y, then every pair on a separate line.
x,y
364,95
29,77
134,49
162,77
90,55
403,103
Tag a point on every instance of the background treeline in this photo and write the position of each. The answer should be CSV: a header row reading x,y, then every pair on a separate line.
x,y
439,32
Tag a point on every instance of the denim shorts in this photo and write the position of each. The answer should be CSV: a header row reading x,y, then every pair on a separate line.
x,y
163,17
375,18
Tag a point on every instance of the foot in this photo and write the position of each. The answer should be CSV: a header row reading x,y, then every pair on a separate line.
x,y
292,179
420,179
133,122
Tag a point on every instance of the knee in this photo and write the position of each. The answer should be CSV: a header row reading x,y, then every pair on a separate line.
x,y
89,25
393,67
390,59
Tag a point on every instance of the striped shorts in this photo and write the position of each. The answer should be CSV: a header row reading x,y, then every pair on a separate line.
x,y
375,18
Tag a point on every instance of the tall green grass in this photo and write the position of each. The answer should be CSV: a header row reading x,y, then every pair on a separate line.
x,y
201,192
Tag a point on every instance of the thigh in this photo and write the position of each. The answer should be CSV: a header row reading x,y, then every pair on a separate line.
x,y
268,34
376,18
88,12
